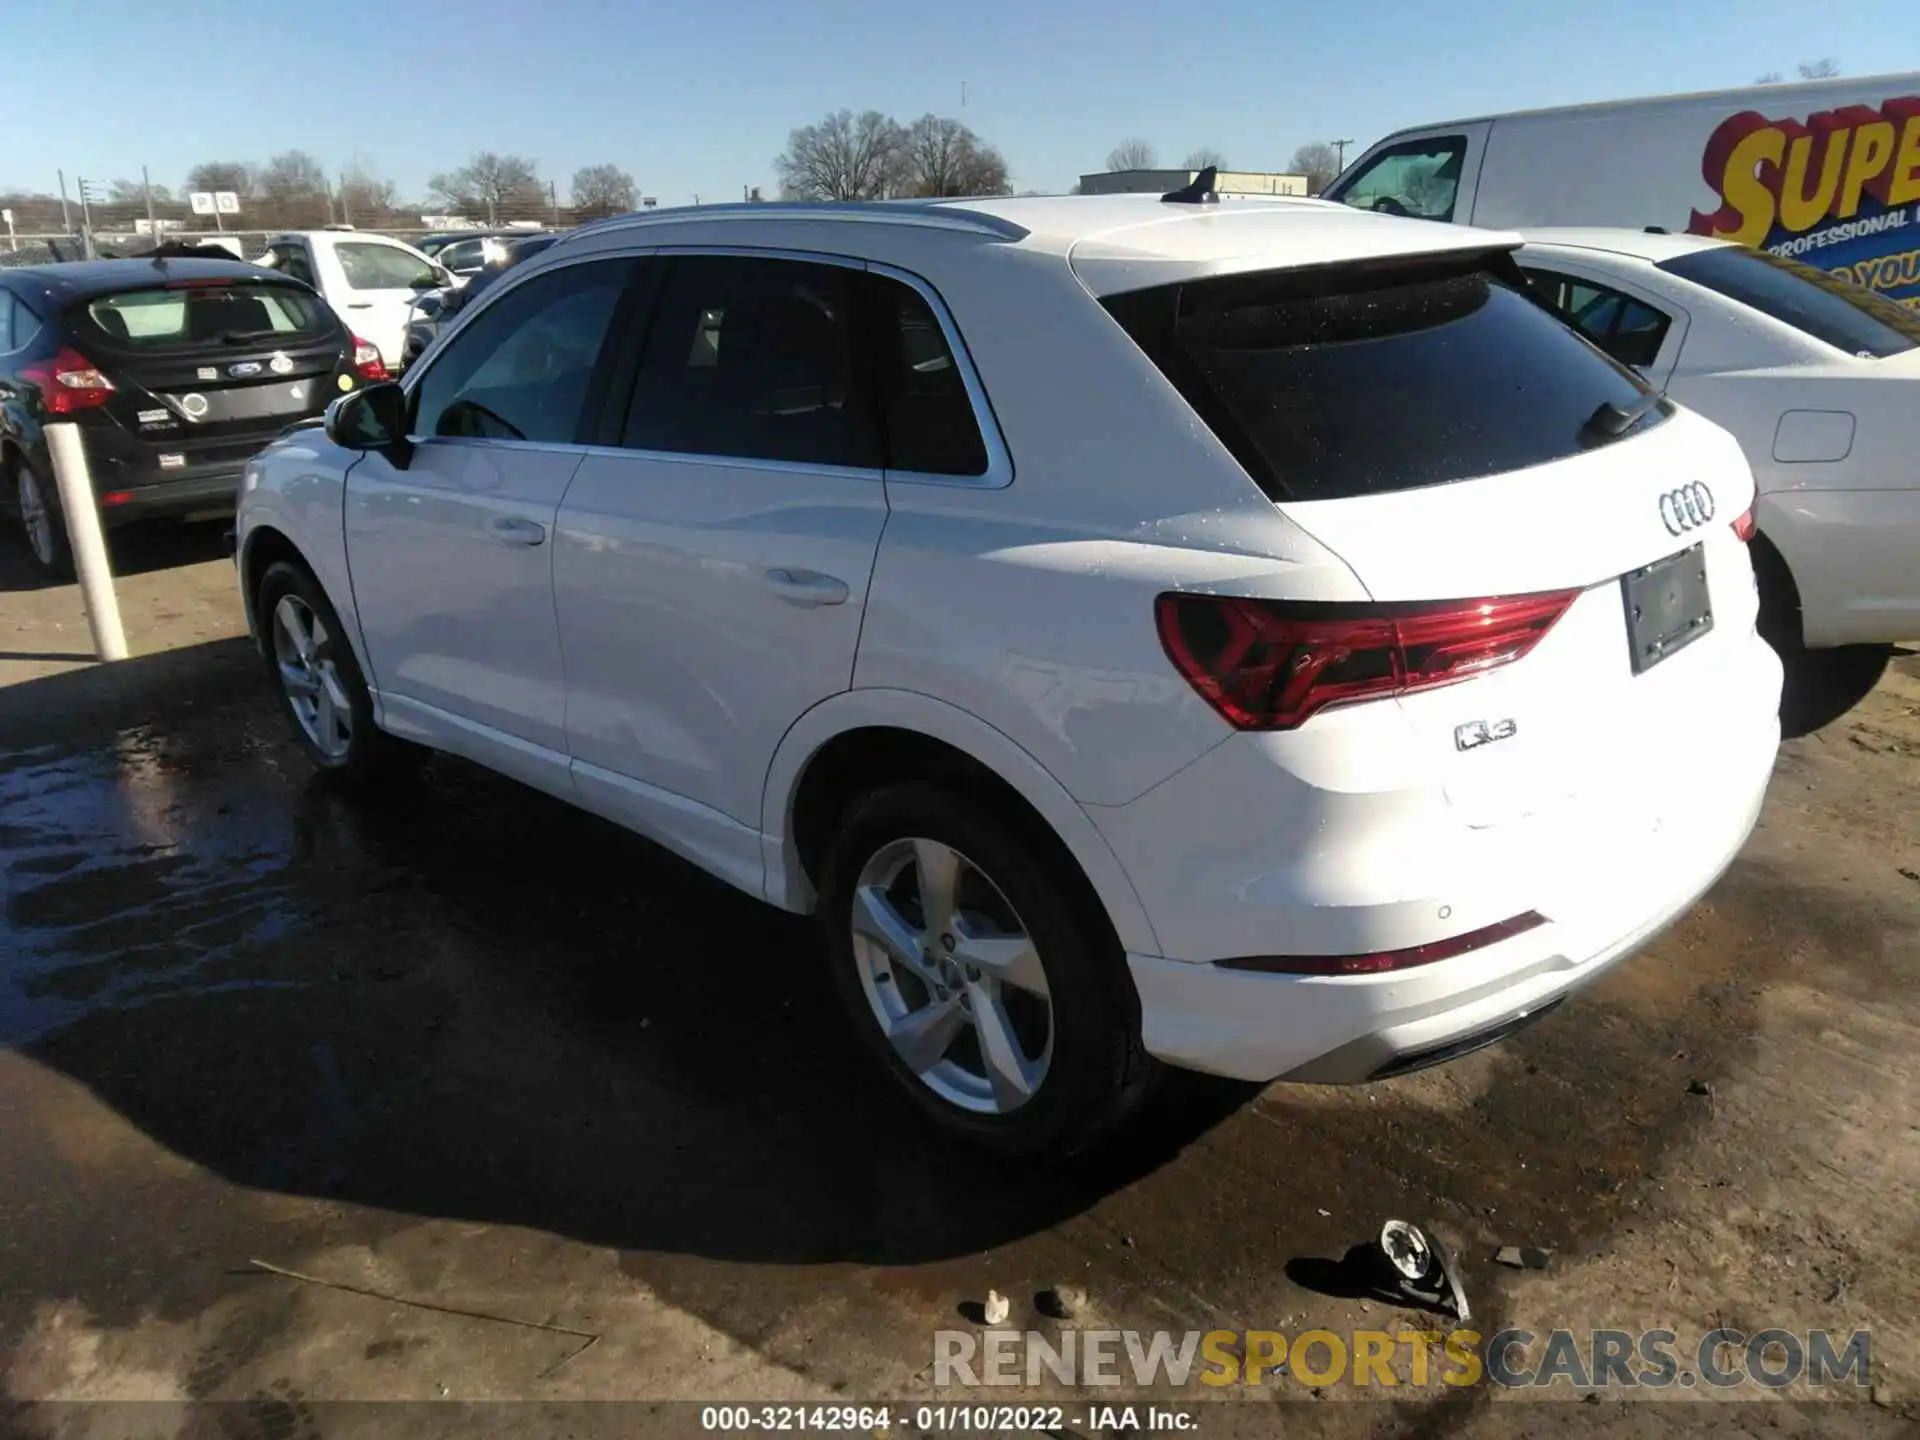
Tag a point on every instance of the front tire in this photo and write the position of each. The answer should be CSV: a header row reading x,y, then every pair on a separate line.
x,y
971,974
317,678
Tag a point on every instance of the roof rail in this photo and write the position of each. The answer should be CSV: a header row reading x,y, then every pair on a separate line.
x,y
935,214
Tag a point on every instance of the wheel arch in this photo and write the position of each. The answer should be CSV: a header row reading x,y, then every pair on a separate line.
x,y
862,737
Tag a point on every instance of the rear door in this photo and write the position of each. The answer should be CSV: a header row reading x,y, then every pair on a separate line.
x,y
208,369
378,282
714,555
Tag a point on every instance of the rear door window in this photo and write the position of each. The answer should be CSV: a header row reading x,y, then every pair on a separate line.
x,y
209,315
755,359
1362,380
926,414
1420,178
292,260
1846,316
383,267
1627,329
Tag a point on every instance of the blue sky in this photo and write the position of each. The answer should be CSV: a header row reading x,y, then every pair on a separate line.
x,y
697,98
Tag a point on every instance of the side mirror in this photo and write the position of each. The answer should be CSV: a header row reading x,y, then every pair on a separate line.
x,y
369,419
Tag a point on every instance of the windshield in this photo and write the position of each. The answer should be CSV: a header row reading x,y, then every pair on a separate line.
x,y
1846,316
1363,380
218,314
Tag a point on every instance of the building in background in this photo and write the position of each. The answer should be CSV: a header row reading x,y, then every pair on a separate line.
x,y
1227,184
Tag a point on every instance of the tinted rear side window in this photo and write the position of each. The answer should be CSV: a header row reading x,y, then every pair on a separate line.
x,y
1361,380
1846,316
203,315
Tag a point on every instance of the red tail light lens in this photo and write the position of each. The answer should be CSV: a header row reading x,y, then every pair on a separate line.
x,y
367,363
1743,525
1269,664
69,383
1384,960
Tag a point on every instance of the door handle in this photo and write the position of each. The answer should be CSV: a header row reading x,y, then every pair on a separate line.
x,y
359,305
807,587
515,531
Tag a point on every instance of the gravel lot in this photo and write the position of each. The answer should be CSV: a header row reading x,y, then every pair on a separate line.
x,y
493,1079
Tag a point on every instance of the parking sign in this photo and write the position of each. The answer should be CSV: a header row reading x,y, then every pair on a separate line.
x,y
202,201
226,202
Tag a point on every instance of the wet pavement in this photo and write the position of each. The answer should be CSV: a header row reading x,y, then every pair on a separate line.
x,y
306,1099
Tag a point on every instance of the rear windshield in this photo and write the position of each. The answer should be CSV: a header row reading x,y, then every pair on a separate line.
x,y
221,315
1845,315
1361,380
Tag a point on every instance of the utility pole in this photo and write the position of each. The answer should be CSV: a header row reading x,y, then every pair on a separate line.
x,y
146,189
553,203
963,94
1340,147
66,215
86,217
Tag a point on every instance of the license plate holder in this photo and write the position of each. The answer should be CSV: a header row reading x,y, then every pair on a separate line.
x,y
1668,607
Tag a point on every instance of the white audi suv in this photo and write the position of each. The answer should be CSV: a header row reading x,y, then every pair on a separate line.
x,y
1256,636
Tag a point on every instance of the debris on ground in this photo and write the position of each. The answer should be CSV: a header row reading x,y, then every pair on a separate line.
x,y
1699,1087
1421,1268
1061,1302
1523,1257
997,1308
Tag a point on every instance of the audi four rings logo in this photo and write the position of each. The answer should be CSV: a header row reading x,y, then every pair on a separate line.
x,y
1687,508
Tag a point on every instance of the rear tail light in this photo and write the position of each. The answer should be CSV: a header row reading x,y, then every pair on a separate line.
x,y
367,363
117,497
69,383
1380,961
1269,665
1743,524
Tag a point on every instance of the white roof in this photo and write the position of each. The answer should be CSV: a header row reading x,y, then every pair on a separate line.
x,y
1639,244
1128,242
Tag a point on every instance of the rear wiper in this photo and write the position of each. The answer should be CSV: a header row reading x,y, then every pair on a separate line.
x,y
1612,421
245,337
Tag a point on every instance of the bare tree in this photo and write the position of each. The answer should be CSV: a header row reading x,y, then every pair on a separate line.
x,y
1818,69
844,157
1203,157
132,192
1319,162
940,156
602,190
490,181
1132,154
294,175
364,193
234,175
1772,77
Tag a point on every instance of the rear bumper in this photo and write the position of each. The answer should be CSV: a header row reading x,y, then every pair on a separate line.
x,y
209,494
1607,873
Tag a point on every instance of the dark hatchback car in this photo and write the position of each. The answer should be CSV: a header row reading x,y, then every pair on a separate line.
x,y
176,370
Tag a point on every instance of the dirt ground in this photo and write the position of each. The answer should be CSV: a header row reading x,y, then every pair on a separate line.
x,y
476,1102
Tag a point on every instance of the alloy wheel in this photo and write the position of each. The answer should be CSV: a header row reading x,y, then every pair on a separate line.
x,y
952,976
311,679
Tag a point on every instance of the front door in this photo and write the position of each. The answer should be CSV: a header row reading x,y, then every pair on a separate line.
x,y
379,285
713,558
451,552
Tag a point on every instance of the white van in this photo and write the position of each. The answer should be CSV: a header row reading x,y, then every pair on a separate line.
x,y
1827,172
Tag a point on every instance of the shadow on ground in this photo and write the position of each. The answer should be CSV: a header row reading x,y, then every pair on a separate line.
x,y
131,550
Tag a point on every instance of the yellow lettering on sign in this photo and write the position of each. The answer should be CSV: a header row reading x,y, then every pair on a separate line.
x,y
1300,1360
1741,186
1798,209
1903,184
1373,1355
1872,149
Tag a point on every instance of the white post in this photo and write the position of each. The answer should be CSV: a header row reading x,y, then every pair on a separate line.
x,y
83,533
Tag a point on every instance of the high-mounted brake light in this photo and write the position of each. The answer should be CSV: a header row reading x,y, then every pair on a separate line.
x,y
1744,525
69,383
1381,961
1270,664
367,363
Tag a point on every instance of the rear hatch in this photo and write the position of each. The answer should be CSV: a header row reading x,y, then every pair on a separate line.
x,y
1560,605
207,370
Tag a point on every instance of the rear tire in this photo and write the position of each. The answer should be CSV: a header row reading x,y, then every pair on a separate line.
x,y
318,681
1044,1052
1817,686
42,522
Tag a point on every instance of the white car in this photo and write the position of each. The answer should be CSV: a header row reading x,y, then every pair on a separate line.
x,y
370,280
1253,638
1817,378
